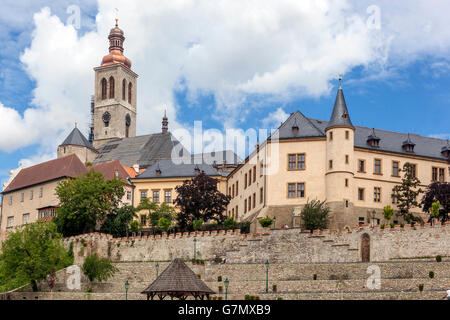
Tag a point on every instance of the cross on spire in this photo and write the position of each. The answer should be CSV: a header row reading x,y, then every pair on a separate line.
x,y
340,81
117,16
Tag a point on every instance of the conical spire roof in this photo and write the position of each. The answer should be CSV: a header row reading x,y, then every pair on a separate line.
x,y
340,116
76,138
178,280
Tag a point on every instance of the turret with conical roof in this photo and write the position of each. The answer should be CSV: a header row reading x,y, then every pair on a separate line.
x,y
340,157
76,143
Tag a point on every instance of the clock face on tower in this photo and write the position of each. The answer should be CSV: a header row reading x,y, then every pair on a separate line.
x,y
106,117
127,120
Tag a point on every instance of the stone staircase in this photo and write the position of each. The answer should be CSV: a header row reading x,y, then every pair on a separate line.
x,y
399,280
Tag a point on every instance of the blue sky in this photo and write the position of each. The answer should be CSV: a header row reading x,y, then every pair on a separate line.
x,y
235,64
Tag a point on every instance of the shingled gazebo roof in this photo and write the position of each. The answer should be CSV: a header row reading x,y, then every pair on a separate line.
x,y
178,281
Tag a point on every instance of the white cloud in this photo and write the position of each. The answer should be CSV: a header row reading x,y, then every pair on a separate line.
x,y
237,51
274,119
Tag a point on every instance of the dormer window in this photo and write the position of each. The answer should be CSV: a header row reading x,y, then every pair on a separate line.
x,y
446,151
295,127
408,145
373,140
158,170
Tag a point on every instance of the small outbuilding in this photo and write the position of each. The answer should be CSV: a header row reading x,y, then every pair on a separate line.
x,y
178,281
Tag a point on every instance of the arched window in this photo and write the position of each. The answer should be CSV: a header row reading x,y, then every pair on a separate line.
x,y
104,88
111,88
130,88
124,88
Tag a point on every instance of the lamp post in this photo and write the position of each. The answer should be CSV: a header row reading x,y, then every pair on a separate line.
x,y
157,268
127,285
274,222
293,219
226,282
373,218
267,276
195,248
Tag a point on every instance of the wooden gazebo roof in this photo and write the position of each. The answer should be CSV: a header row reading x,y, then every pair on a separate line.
x,y
178,281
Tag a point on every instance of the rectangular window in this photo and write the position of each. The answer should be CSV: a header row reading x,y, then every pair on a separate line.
x,y
261,169
254,200
346,159
395,168
237,212
434,174
394,198
143,220
300,190
26,218
330,164
441,175
232,191
301,161
10,222
292,161
291,190
377,194
245,206
41,192
237,188
10,200
361,194
245,182
331,136
168,196
346,203
413,170
143,194
22,196
347,134
128,195
31,194
155,196
254,174
249,203
232,213
296,161
361,166
250,177
377,166
261,195
229,191
346,182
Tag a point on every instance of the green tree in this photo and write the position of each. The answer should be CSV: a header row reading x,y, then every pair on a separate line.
x,y
407,193
265,222
134,226
438,191
96,268
85,202
151,208
199,198
314,215
434,210
388,212
118,223
230,223
164,224
30,253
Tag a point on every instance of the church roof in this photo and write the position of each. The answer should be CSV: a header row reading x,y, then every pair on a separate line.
x,y
70,166
340,116
108,170
76,138
169,169
142,150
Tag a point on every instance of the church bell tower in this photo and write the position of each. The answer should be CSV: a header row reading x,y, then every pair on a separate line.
x,y
115,93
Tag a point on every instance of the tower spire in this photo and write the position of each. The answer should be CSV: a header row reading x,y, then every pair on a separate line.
x,y
165,123
340,116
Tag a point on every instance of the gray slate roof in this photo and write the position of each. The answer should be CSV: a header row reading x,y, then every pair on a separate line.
x,y
208,158
143,150
340,115
169,169
76,138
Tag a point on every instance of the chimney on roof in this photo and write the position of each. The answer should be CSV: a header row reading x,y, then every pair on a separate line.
x,y
165,123
136,167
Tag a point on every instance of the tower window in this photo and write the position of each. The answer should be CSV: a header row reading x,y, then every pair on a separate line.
x,y
346,158
361,194
330,164
124,89
130,87
331,136
346,182
111,88
104,88
347,134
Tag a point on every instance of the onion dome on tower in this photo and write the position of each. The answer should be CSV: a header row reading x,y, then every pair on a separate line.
x,y
115,55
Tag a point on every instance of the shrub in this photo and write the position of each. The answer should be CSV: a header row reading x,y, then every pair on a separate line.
x,y
96,268
388,212
279,298
314,215
392,225
421,287
245,227
219,279
197,224
431,274
274,288
265,222
382,226
438,258
230,223
199,275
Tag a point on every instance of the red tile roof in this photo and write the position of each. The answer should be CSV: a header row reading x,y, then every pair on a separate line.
x,y
108,170
69,166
